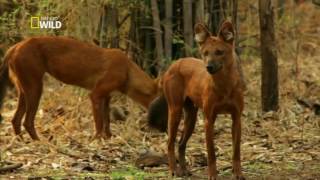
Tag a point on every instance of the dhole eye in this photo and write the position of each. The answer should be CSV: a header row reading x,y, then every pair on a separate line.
x,y
206,53
219,52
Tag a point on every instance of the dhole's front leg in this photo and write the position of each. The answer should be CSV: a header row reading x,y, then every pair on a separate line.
x,y
236,140
212,165
100,97
106,122
100,108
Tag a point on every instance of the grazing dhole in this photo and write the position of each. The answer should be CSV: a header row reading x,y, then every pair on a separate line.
x,y
99,70
213,84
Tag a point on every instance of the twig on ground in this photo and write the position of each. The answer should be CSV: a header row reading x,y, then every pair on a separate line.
x,y
10,167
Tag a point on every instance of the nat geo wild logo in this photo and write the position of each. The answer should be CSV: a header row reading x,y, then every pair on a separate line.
x,y
38,22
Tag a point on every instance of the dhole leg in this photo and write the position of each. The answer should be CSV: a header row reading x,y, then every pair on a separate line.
x,y
32,95
106,125
100,97
17,118
189,124
98,106
236,140
173,123
212,166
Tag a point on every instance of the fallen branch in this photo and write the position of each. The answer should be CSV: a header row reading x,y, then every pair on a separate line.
x,y
10,167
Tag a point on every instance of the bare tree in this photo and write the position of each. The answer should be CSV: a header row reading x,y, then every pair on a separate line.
x,y
281,4
187,26
235,19
168,29
102,30
158,34
113,19
269,87
215,15
200,11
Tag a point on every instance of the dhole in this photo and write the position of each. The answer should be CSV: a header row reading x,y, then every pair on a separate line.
x,y
213,84
73,62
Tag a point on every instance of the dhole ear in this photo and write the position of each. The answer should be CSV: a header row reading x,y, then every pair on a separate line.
x,y
226,32
201,33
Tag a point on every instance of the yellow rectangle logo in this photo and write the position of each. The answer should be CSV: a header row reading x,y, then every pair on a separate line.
x,y
35,22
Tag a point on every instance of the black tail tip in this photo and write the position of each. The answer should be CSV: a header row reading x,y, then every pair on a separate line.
x,y
158,114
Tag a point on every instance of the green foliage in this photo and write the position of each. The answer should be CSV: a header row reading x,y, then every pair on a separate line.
x,y
130,172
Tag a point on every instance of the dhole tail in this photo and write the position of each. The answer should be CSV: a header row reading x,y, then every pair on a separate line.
x,y
158,113
4,80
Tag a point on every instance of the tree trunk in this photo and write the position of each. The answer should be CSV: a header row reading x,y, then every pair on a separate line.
x,y
177,20
235,19
133,42
187,27
200,11
168,30
215,15
102,30
269,86
158,37
114,26
281,4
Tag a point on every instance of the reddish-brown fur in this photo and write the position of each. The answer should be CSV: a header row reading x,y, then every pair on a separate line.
x,y
188,85
99,70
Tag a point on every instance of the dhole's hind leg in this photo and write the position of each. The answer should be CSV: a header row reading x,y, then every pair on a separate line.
x,y
32,95
173,91
175,113
17,118
189,124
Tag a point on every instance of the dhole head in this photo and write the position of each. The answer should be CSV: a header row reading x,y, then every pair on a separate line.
x,y
216,51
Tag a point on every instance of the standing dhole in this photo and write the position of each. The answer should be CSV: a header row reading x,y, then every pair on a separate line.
x,y
77,63
214,84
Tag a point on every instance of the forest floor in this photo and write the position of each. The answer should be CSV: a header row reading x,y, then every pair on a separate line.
x,y
278,145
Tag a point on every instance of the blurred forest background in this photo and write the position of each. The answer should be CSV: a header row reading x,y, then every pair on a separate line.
x,y
280,144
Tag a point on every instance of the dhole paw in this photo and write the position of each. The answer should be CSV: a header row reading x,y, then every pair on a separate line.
x,y
102,136
183,172
107,136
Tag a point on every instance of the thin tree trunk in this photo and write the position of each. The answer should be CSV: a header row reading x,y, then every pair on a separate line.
x,y
223,9
235,19
215,15
158,33
187,27
168,29
103,28
177,20
269,86
133,40
114,24
200,11
281,6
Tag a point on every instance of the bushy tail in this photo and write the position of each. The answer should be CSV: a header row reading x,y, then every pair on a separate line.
x,y
158,113
4,75
4,79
